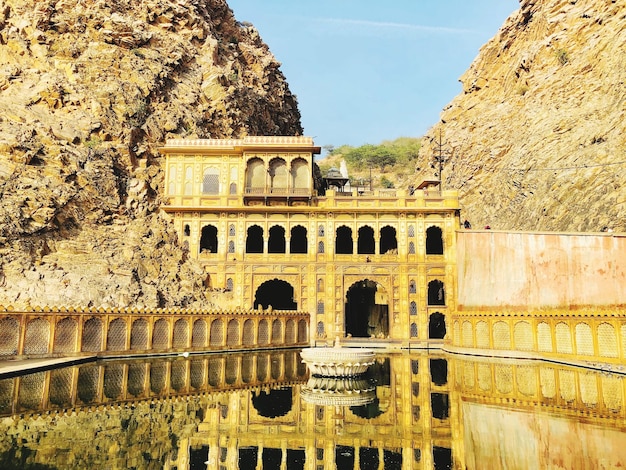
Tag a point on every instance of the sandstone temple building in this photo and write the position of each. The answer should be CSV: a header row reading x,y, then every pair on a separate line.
x,y
372,266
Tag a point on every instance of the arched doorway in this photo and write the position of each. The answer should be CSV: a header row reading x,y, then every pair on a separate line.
x,y
437,326
279,294
367,310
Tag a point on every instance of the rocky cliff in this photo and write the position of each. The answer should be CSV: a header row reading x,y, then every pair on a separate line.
x,y
89,89
537,138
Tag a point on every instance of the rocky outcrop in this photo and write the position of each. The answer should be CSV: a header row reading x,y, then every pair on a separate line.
x,y
537,138
89,89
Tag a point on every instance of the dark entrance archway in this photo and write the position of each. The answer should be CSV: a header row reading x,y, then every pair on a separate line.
x,y
437,326
277,293
367,310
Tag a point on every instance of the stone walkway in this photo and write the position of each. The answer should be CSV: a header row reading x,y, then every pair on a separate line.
x,y
14,367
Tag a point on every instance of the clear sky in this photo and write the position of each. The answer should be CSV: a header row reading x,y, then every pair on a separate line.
x,y
365,71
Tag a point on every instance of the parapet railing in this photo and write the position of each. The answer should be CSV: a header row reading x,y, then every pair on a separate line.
x,y
122,381
52,332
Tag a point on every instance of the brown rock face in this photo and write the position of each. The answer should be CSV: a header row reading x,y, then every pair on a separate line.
x,y
537,138
88,91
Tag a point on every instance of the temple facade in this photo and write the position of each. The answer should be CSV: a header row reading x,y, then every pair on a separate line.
x,y
374,266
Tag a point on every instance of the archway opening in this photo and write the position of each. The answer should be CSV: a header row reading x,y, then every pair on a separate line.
x,y
343,241
437,326
254,240
365,242
298,242
279,294
388,241
276,242
367,310
274,403
208,240
436,293
434,241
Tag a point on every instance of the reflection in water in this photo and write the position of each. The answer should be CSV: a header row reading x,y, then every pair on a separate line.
x,y
263,411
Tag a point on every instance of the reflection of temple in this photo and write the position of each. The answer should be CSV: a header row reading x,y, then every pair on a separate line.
x,y
271,231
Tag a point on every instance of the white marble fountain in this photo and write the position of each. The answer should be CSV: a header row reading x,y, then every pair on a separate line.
x,y
337,361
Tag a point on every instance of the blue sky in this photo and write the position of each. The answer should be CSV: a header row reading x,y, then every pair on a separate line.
x,y
365,71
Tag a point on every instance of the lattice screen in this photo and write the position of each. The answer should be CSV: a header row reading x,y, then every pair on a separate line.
x,y
60,391
113,377
588,383
466,337
217,333
232,333
139,335
523,336
88,379
116,337
37,337
276,366
501,335
567,385
197,375
504,378
262,364
6,395
482,335
136,379
66,334
277,332
30,395
290,332
247,368
584,339
547,378
232,369
612,392
9,336
160,334
484,376
526,380
607,340
158,375
92,335
248,333
264,334
468,374
178,377
563,338
198,334
215,371
544,337
181,334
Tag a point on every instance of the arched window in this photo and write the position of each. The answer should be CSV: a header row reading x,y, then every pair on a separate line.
x,y
231,246
187,230
343,241
411,231
388,241
413,330
254,240
320,285
278,174
229,284
320,231
211,181
231,230
255,175
208,240
233,188
320,247
413,308
320,329
365,243
276,242
434,241
412,288
411,248
188,180
300,174
320,307
172,181
298,242
436,293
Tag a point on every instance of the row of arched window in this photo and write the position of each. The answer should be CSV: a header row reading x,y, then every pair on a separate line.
x,y
298,240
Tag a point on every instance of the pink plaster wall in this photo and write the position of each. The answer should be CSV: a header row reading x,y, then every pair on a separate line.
x,y
540,270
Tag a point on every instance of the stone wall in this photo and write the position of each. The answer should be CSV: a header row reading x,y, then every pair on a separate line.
x,y
523,270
